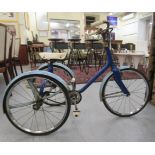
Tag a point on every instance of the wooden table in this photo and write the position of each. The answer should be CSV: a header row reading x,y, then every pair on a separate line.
x,y
73,41
91,41
135,57
54,41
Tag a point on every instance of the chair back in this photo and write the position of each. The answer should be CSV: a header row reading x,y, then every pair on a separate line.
x,y
61,45
16,47
3,31
97,46
80,46
9,42
39,47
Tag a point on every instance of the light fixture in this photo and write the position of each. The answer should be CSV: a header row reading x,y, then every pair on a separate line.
x,y
129,16
110,13
67,25
150,23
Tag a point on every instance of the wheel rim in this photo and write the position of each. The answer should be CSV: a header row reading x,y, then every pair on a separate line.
x,y
20,103
120,104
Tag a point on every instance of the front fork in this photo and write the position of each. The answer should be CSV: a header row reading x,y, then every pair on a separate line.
x,y
118,79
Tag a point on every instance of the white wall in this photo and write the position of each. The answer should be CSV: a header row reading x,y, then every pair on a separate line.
x,y
134,31
24,32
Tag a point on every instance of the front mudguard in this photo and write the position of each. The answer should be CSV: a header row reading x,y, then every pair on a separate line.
x,y
105,79
34,73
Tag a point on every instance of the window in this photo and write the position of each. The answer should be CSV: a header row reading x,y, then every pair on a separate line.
x,y
65,29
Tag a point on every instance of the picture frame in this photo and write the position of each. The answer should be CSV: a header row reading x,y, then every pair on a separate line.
x,y
8,17
42,23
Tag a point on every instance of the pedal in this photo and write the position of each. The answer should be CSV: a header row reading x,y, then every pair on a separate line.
x,y
76,113
73,80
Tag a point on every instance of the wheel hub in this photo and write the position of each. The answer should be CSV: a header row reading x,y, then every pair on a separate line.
x,y
38,104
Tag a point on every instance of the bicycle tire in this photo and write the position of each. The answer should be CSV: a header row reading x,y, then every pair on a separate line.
x,y
9,115
116,112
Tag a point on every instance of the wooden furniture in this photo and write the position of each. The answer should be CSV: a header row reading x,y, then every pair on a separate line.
x,y
16,60
10,41
53,42
23,54
151,66
114,42
73,41
55,56
35,49
92,52
3,67
73,52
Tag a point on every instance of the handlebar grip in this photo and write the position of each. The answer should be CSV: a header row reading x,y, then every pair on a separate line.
x,y
99,23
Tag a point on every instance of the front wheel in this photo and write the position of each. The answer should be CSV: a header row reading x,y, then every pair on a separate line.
x,y
37,104
117,102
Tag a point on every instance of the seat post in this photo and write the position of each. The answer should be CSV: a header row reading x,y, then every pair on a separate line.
x,y
50,67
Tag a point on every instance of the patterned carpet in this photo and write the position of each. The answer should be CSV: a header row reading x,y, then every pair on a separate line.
x,y
83,77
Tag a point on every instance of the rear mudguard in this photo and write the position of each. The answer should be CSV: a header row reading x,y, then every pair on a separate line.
x,y
58,65
105,79
34,73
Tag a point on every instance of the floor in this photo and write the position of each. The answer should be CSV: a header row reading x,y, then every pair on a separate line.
x,y
94,124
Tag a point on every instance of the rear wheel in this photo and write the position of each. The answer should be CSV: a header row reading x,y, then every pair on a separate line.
x,y
34,112
64,74
120,104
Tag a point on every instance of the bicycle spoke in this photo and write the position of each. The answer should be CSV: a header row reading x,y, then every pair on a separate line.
x,y
21,95
136,85
49,96
27,120
21,105
21,117
44,117
26,91
53,115
36,120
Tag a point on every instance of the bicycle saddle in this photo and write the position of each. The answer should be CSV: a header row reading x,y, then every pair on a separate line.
x,y
52,56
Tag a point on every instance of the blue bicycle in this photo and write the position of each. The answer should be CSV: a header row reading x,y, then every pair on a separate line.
x,y
39,102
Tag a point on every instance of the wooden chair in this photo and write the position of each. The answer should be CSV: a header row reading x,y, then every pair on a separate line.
x,y
62,47
3,39
15,58
60,54
34,51
79,55
10,41
99,55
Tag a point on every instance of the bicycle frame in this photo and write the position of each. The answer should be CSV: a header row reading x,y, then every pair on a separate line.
x,y
109,63
115,71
